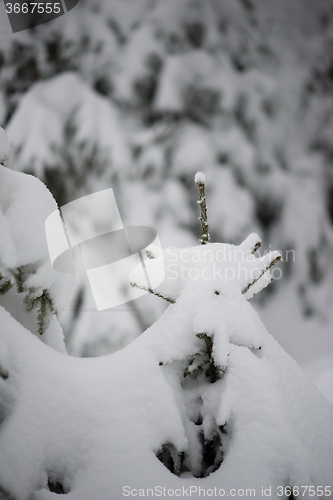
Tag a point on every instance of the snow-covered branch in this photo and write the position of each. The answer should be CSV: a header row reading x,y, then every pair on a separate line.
x,y
149,290
200,180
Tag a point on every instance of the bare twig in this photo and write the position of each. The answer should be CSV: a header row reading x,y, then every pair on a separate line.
x,y
256,247
146,289
200,182
271,264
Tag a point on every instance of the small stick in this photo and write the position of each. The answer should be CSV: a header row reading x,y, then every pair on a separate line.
x,y
271,264
256,247
200,180
135,285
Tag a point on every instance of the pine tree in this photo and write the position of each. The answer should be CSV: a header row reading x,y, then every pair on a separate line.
x,y
205,398
27,279
242,91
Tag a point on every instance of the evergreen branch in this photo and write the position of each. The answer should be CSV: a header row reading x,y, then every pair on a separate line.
x,y
205,236
19,276
149,290
30,301
5,286
267,268
3,373
214,371
169,451
149,255
43,302
256,247
196,364
208,341
5,495
46,308
44,305
251,244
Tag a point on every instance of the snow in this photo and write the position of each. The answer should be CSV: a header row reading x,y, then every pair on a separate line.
x,y
25,204
265,150
58,101
193,150
230,208
179,71
267,134
4,146
134,62
97,425
200,178
231,263
320,371
124,14
107,417
22,197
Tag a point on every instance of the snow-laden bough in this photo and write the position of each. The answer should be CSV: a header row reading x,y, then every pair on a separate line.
x,y
205,398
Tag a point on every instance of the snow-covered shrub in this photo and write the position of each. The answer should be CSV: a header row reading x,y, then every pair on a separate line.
x,y
241,90
29,287
204,400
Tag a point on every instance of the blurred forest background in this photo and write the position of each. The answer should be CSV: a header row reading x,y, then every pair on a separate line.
x,y
138,95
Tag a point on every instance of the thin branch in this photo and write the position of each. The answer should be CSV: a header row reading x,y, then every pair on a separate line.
x,y
271,264
256,247
135,285
5,285
200,182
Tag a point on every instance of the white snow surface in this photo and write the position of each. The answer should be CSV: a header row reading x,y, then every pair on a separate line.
x,y
200,178
244,173
4,146
321,372
231,264
25,204
95,424
55,102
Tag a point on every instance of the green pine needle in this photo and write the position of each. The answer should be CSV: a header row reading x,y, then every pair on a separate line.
x,y
5,286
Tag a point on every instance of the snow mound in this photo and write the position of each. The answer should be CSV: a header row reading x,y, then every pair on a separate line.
x,y
55,102
320,371
25,204
4,146
200,178
207,372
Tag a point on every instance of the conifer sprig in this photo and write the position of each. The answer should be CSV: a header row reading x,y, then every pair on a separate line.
x,y
149,290
5,285
43,302
45,308
200,182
